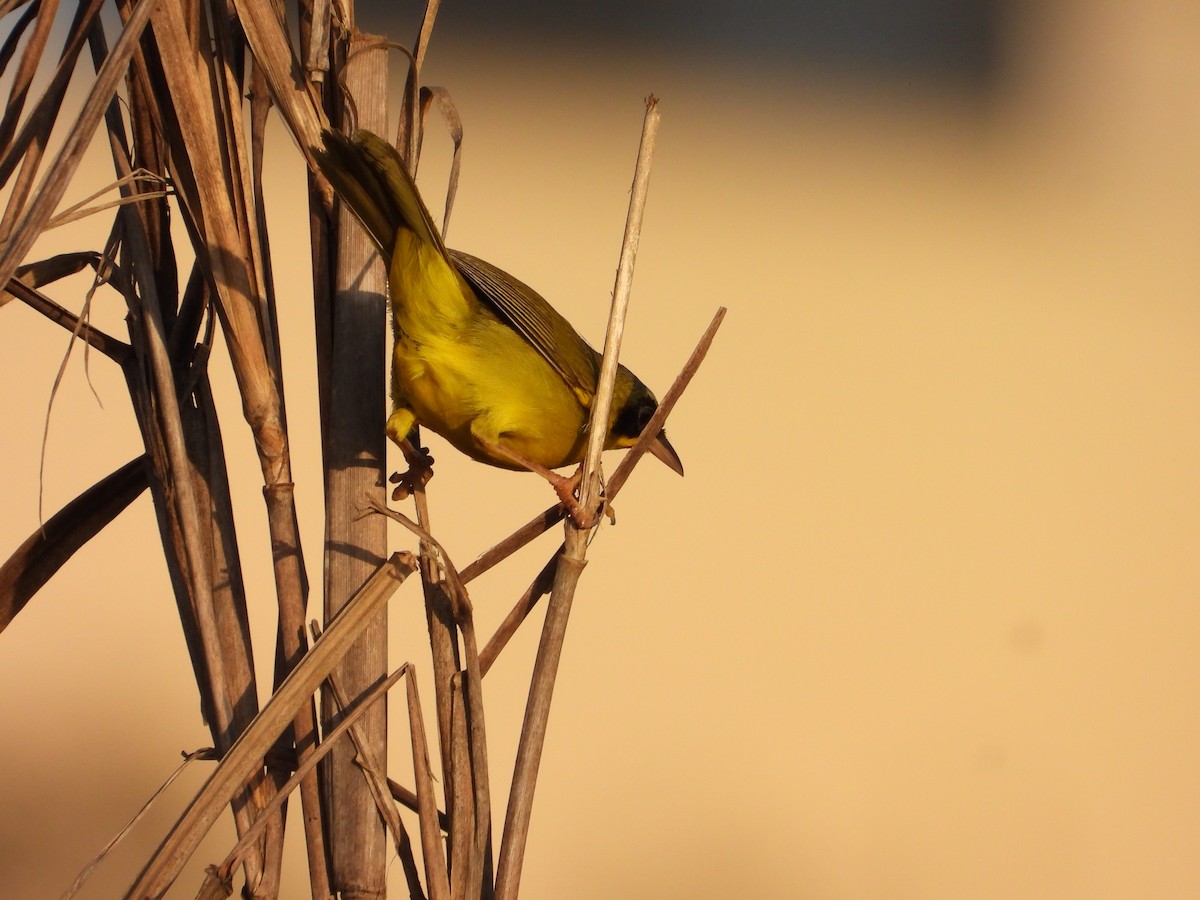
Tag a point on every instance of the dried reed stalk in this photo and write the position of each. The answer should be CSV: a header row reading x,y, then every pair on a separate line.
x,y
355,451
457,692
574,556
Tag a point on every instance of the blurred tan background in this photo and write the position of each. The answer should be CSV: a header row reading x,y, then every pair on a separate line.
x,y
920,622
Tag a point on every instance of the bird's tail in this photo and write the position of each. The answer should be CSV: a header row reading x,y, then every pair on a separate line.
x,y
369,176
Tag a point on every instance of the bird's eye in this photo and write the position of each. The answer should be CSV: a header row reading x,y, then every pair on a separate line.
x,y
645,414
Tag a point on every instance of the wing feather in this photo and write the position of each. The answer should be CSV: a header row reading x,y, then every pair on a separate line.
x,y
522,308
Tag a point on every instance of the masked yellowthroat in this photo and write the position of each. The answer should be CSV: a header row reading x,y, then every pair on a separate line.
x,y
480,358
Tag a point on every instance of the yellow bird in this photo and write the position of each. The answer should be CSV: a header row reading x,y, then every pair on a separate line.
x,y
480,358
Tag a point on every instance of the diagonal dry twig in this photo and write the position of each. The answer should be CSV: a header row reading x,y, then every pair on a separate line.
x,y
250,748
308,764
373,770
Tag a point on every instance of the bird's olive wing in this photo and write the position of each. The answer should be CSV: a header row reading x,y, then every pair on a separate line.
x,y
522,308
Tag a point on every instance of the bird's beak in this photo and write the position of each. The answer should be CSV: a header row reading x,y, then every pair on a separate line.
x,y
662,448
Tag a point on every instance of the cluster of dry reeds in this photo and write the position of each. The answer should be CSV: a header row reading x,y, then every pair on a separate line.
x,y
183,95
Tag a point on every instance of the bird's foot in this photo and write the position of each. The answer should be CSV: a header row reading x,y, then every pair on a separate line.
x,y
420,470
565,488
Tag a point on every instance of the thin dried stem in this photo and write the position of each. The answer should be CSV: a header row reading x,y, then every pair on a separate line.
x,y
589,490
573,558
466,746
196,559
407,798
136,177
116,350
86,872
541,585
298,103
443,642
531,530
431,839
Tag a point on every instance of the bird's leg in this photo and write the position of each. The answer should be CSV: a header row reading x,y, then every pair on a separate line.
x,y
563,486
420,464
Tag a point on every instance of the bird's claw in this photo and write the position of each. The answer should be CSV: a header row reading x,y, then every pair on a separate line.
x,y
420,470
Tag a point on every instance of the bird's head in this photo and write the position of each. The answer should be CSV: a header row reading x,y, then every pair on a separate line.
x,y
633,405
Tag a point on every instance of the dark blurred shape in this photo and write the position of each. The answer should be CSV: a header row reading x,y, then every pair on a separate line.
x,y
956,41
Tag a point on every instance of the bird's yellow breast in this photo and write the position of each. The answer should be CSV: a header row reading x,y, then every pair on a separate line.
x,y
468,376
